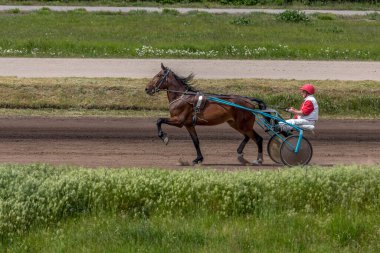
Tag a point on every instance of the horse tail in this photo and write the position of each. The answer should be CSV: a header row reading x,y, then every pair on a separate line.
x,y
259,102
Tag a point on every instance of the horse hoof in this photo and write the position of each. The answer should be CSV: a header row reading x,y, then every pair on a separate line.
x,y
242,160
166,140
183,163
257,163
197,161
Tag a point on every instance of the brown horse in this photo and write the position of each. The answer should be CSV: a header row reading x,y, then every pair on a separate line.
x,y
183,102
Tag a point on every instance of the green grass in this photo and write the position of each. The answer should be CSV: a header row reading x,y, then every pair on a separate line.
x,y
126,97
336,232
195,35
313,209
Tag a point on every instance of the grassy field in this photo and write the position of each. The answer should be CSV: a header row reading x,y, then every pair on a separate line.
x,y
312,209
336,232
196,35
126,97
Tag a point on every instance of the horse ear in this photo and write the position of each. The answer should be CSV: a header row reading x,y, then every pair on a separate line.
x,y
162,66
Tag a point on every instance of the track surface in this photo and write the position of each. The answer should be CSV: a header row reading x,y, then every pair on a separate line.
x,y
126,142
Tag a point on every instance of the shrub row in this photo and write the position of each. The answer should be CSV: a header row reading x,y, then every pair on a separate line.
x,y
35,195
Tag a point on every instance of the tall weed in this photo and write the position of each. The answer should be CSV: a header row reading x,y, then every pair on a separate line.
x,y
34,195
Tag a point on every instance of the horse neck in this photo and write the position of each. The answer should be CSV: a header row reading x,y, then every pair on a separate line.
x,y
175,90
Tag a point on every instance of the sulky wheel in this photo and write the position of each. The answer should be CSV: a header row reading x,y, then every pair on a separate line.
x,y
288,155
273,148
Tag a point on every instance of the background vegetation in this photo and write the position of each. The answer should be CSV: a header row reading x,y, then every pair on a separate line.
x,y
291,35
121,96
141,208
326,4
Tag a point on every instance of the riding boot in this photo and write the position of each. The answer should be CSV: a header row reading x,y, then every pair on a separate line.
x,y
277,128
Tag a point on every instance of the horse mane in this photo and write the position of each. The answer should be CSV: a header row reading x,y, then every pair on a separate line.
x,y
186,81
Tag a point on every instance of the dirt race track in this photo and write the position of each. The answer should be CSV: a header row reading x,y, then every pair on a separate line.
x,y
132,142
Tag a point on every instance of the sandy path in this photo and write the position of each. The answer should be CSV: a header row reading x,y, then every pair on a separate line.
x,y
207,69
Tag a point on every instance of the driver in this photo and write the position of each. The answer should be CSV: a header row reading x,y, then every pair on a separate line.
x,y
307,115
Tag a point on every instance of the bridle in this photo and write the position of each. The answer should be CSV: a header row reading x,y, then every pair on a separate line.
x,y
163,79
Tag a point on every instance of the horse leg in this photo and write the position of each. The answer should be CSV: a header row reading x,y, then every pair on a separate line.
x,y
169,121
194,137
162,134
248,133
259,142
240,150
242,145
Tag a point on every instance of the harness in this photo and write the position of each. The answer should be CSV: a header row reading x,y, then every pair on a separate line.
x,y
200,99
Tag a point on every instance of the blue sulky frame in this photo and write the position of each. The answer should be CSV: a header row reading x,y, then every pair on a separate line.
x,y
263,123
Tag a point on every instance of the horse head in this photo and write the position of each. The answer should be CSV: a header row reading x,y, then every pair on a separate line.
x,y
159,81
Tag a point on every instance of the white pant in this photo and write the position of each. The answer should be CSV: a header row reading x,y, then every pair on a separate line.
x,y
297,122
